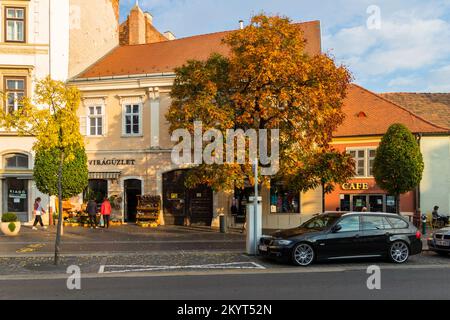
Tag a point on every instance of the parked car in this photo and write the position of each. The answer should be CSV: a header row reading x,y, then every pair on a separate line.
x,y
439,241
338,235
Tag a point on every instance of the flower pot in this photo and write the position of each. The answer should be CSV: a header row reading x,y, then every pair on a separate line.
x,y
10,229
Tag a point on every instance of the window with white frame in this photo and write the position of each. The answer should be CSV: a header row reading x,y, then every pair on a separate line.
x,y
14,24
364,158
132,119
95,121
15,92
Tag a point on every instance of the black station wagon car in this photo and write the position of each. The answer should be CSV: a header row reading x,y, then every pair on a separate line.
x,y
338,235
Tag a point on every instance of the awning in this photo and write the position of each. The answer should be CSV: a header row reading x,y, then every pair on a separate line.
x,y
111,175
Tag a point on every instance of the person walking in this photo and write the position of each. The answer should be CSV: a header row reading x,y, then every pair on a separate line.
x,y
38,211
92,213
106,212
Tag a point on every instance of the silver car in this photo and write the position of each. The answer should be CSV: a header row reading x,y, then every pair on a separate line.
x,y
440,241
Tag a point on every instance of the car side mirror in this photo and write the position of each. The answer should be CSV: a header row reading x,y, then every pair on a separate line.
x,y
336,228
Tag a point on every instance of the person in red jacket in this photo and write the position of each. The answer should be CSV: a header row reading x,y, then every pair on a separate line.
x,y
106,212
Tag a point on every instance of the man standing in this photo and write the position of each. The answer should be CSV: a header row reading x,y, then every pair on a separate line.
x,y
438,217
92,212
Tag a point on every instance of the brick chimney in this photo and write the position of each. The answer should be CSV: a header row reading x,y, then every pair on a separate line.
x,y
139,29
136,25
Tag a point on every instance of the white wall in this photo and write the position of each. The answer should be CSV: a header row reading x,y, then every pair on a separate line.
x,y
435,185
59,39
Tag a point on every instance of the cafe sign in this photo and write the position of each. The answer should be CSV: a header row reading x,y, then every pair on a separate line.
x,y
355,186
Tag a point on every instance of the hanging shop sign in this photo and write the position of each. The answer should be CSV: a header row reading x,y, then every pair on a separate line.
x,y
17,194
112,162
355,186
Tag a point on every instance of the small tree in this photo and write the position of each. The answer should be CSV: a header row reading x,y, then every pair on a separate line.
x,y
398,165
51,118
74,173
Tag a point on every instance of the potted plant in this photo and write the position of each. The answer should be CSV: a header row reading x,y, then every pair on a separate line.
x,y
10,225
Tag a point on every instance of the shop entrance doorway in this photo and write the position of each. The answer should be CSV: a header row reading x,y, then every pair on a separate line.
x,y
183,206
132,188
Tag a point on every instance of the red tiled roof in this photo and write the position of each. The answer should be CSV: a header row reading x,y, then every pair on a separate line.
x,y
370,114
166,56
435,107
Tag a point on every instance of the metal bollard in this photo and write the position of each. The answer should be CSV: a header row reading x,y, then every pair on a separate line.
x,y
424,224
222,222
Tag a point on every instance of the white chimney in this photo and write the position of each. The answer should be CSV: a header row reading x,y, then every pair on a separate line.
x,y
149,17
241,24
169,35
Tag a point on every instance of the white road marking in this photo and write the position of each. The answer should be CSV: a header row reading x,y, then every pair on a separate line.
x,y
142,268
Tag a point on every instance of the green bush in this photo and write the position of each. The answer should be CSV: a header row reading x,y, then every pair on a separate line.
x,y
9,217
12,226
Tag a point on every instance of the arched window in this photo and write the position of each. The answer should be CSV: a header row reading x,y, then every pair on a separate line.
x,y
15,161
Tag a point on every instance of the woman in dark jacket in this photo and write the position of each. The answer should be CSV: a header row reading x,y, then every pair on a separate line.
x,y
92,212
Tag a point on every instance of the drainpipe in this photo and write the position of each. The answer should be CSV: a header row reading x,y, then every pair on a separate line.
x,y
417,191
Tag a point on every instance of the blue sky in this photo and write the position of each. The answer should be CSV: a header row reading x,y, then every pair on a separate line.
x,y
410,51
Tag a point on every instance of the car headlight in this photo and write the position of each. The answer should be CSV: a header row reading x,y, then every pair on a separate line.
x,y
282,242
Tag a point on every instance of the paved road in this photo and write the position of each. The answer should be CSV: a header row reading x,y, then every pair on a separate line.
x,y
396,283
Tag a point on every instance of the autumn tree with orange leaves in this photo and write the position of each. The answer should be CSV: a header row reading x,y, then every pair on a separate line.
x,y
267,81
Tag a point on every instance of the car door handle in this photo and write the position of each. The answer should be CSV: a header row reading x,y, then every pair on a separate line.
x,y
357,236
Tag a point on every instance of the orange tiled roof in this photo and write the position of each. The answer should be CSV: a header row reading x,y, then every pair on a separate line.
x,y
435,107
370,114
166,56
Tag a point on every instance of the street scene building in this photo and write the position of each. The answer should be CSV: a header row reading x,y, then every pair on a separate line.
x,y
41,38
126,89
184,153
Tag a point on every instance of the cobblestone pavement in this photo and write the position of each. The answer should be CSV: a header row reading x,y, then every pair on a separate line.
x,y
128,238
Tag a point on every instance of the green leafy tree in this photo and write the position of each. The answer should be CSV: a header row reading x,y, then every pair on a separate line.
x,y
51,117
398,165
74,173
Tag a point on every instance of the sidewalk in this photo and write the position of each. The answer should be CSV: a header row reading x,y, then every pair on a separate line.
x,y
126,238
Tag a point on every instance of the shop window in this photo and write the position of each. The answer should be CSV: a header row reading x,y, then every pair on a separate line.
x,y
345,202
15,24
283,199
16,195
16,161
364,159
15,92
132,119
95,121
391,204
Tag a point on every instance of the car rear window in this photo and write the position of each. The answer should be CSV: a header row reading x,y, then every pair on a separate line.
x,y
375,223
398,223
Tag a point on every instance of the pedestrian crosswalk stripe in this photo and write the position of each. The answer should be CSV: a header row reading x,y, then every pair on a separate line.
x,y
148,268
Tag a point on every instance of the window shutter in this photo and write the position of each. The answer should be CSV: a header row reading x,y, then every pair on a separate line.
x,y
105,122
83,126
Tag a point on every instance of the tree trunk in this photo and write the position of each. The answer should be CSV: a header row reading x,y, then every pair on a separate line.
x,y
60,209
397,198
323,197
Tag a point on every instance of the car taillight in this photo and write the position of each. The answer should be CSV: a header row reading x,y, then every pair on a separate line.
x,y
418,235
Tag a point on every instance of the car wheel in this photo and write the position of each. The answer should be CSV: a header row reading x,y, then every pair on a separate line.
x,y
303,254
399,252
